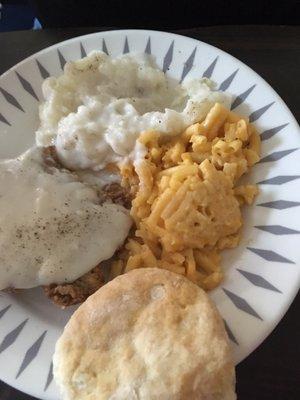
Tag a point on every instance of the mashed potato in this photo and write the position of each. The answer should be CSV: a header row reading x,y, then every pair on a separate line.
x,y
179,149
96,110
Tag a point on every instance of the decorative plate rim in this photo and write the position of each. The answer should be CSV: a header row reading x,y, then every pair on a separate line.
x,y
289,298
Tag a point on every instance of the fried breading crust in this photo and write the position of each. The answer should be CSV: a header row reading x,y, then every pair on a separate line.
x,y
117,194
76,292
68,294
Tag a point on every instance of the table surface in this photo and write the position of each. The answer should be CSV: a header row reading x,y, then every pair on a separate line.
x,y
272,372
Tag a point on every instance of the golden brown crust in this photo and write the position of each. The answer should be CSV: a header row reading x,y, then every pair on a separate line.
x,y
68,294
12,290
117,194
149,334
50,157
111,192
76,292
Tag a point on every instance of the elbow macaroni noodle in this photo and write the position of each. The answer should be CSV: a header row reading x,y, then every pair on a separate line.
x,y
186,199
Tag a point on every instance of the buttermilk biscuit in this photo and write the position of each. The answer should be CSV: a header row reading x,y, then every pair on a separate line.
x,y
147,335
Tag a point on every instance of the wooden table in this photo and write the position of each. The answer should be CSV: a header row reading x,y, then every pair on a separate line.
x,y
272,372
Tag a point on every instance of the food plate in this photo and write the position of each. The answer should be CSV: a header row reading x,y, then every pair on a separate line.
x,y
262,275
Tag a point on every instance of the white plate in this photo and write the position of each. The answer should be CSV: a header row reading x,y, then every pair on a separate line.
x,y
262,274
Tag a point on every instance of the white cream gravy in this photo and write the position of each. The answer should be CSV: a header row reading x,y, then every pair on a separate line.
x,y
96,110
52,227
